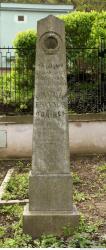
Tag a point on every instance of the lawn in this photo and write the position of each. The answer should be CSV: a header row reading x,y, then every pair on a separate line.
x,y
89,188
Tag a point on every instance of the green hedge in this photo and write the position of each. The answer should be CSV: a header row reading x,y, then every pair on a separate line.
x,y
85,28
82,29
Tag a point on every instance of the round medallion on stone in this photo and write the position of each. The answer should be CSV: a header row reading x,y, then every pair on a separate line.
x,y
50,42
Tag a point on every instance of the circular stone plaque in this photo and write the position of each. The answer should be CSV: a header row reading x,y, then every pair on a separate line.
x,y
50,42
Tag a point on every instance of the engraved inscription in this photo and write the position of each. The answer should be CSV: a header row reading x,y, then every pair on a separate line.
x,y
50,66
49,114
48,104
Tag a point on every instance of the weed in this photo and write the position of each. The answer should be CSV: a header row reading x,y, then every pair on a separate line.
x,y
83,237
29,165
18,239
13,210
22,167
104,187
17,187
17,242
80,196
88,227
84,227
102,168
76,178
103,175
100,192
49,241
103,240
80,241
67,231
2,231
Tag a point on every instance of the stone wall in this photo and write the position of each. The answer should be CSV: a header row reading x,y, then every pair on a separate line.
x,y
87,135
38,1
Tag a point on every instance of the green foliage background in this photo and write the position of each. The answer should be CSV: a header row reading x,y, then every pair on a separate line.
x,y
83,29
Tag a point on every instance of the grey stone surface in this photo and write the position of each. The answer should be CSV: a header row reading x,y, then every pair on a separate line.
x,y
37,223
3,139
51,142
50,184
52,192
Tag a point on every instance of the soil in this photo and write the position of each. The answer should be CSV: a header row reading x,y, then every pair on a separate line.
x,y
91,184
4,167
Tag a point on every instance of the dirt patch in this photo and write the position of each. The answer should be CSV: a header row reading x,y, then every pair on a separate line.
x,y
92,185
4,167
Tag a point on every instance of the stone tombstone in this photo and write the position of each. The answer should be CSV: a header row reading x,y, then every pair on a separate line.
x,y
50,206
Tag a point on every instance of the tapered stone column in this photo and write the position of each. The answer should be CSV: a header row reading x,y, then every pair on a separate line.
x,y
50,206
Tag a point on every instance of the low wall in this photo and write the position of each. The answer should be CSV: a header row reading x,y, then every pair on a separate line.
x,y
87,135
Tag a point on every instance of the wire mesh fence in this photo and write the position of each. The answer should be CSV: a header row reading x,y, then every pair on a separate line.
x,y
86,78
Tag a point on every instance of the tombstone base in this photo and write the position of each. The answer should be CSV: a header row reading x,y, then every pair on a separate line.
x,y
36,223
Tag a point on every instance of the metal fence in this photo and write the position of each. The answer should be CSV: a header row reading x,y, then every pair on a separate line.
x,y
86,69
17,71
86,77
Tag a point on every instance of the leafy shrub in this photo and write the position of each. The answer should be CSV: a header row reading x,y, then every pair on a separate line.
x,y
25,44
78,26
15,91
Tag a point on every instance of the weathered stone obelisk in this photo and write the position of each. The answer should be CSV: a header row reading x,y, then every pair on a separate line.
x,y
50,206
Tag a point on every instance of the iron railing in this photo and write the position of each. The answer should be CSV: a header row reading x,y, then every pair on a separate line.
x,y
86,77
16,80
